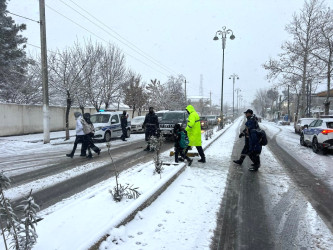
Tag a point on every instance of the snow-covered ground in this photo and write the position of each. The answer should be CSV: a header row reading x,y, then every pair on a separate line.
x,y
183,217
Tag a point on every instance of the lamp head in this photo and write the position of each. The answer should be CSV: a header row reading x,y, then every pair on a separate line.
x,y
232,37
215,38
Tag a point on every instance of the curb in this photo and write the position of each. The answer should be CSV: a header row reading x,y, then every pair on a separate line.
x,y
152,198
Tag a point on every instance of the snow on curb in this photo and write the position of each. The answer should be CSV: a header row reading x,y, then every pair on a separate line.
x,y
139,204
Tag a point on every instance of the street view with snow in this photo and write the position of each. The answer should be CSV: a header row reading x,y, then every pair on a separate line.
x,y
205,206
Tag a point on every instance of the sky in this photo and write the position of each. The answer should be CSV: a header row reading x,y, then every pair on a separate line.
x,y
167,222
162,38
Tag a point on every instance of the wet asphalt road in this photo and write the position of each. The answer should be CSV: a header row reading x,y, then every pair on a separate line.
x,y
51,195
248,219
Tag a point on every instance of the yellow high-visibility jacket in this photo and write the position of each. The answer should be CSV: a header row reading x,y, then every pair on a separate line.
x,y
193,127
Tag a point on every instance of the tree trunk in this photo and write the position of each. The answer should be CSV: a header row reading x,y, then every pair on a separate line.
x,y
68,108
327,101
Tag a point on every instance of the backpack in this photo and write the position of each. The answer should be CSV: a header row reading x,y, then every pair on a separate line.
x,y
262,137
87,128
183,142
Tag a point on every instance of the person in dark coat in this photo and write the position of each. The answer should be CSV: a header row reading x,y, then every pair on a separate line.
x,y
254,144
123,121
79,136
88,143
248,113
151,126
180,144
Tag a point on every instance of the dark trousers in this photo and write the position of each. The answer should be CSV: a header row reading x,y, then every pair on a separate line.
x,y
182,152
201,152
150,131
124,135
79,139
89,144
255,158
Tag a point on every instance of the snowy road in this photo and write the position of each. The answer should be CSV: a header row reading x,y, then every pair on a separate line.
x,y
237,208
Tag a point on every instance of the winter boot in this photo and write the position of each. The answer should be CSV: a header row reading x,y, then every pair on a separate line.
x,y
89,156
147,148
240,161
70,155
202,160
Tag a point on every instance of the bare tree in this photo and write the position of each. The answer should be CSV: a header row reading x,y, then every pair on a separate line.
x,y
297,59
324,51
175,93
112,72
155,92
133,91
64,71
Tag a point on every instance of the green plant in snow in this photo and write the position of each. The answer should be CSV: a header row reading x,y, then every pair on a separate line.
x,y
119,191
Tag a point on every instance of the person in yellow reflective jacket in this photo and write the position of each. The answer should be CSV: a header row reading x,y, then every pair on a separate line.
x,y
193,130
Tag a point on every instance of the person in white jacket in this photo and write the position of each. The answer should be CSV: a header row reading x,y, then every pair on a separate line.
x,y
80,136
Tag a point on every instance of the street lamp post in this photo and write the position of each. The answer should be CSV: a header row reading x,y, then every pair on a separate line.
x,y
234,77
223,33
237,90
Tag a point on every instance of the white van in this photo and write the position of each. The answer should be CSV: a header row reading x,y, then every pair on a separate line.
x,y
107,125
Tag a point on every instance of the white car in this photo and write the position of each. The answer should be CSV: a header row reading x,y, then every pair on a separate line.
x,y
318,134
137,124
107,125
299,126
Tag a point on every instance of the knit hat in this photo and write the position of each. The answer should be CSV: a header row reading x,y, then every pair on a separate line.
x,y
77,114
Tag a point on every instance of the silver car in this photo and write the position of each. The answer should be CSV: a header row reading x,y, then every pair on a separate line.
x,y
137,124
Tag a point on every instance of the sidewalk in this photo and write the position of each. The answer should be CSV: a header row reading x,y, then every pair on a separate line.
x,y
39,137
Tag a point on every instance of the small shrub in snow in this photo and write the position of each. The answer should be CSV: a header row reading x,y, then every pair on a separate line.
x,y
22,232
156,143
119,191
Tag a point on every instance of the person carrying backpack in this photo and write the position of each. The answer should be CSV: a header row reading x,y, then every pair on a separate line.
x,y
255,146
181,144
89,130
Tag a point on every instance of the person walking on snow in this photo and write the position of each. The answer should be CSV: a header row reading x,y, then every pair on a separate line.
x,y
80,136
89,130
193,129
151,125
181,144
254,143
123,120
248,114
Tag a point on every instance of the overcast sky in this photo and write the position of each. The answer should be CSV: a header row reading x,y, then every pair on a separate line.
x,y
175,36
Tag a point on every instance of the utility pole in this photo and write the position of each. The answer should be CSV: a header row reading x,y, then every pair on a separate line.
x,y
185,93
46,117
210,101
234,77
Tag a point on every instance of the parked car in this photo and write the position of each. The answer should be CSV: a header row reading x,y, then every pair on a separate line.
x,y
169,120
137,124
212,119
204,122
107,125
301,122
318,134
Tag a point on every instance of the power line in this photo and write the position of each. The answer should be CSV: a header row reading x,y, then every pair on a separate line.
x,y
22,16
103,39
143,53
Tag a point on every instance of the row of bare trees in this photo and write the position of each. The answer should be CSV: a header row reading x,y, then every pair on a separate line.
x,y
92,74
307,58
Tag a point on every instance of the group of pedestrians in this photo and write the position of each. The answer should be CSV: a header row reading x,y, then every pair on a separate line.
x,y
84,133
252,146
192,133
